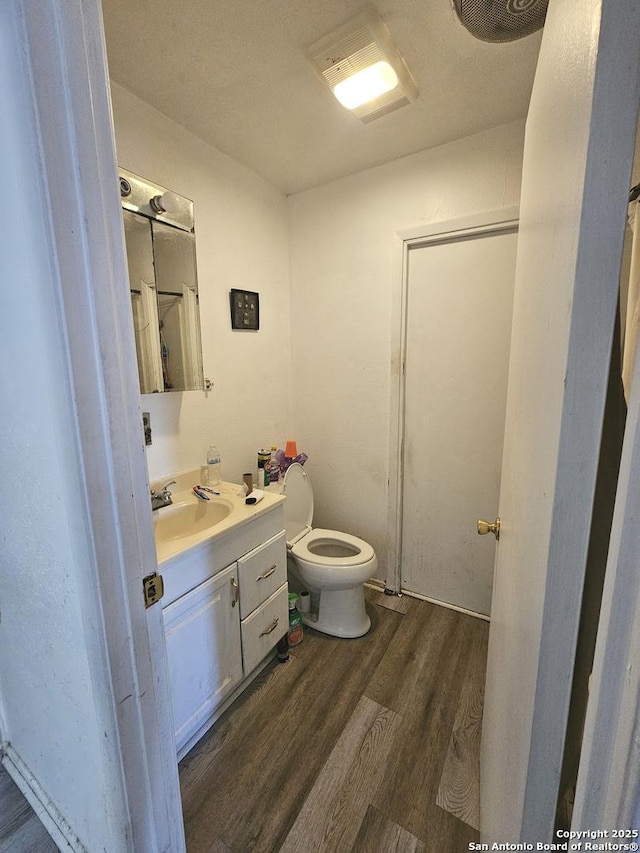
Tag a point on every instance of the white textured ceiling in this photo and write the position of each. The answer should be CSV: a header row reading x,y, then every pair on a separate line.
x,y
236,75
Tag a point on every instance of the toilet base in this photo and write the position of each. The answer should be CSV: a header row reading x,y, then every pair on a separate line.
x,y
341,613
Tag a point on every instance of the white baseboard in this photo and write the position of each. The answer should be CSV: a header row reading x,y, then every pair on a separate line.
x,y
376,584
446,604
45,809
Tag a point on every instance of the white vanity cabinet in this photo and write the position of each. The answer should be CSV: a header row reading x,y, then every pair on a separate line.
x,y
225,608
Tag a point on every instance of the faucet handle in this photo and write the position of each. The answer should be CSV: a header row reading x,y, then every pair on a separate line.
x,y
164,488
163,496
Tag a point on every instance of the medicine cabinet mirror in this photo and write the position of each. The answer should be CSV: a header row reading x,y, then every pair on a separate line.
x,y
161,255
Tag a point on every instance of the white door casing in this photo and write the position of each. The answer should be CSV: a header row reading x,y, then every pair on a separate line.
x,y
569,56
608,786
459,298
63,43
406,241
577,164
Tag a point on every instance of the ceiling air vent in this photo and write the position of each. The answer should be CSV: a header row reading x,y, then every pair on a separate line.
x,y
501,20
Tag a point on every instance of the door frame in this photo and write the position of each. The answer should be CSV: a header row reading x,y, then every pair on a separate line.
x,y
477,225
108,419
63,44
608,785
573,208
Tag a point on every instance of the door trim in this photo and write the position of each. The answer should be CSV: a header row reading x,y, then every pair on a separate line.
x,y
488,222
608,786
64,44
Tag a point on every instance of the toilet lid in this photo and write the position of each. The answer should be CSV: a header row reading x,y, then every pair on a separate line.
x,y
298,507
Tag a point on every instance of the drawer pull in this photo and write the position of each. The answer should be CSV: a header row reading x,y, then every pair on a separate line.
x,y
236,591
268,573
271,627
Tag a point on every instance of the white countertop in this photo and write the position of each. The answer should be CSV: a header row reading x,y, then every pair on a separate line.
x,y
231,494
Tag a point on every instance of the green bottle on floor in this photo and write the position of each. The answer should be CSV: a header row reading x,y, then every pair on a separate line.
x,y
295,622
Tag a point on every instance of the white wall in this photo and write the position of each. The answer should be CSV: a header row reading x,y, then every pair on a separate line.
x,y
241,242
336,242
342,256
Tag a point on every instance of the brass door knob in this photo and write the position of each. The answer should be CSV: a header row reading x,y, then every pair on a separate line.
x,y
489,527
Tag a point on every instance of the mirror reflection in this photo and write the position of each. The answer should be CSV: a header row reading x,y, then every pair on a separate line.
x,y
161,256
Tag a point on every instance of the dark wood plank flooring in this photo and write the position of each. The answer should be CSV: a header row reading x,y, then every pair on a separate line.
x,y
362,746
353,745
459,791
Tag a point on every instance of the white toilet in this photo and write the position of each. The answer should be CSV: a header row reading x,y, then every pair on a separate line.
x,y
333,566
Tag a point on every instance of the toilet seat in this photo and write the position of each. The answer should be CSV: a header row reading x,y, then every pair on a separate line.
x,y
310,549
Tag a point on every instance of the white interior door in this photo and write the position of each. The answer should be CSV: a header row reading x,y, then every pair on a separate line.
x,y
578,155
458,329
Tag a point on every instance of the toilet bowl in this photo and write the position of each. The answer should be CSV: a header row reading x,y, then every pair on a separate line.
x,y
332,565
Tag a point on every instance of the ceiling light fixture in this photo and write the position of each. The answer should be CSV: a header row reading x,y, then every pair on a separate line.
x,y
366,85
363,69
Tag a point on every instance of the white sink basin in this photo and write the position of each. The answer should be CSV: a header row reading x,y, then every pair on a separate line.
x,y
189,517
190,522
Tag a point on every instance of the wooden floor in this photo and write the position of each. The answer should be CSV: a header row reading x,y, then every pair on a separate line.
x,y
368,745
360,745
20,829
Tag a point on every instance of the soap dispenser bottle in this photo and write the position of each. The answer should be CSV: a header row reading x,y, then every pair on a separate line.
x,y
274,469
214,466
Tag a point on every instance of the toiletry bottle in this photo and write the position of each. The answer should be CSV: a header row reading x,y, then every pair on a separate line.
x,y
264,461
295,622
274,469
214,467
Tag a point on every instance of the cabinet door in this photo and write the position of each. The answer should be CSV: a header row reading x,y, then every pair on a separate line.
x,y
203,648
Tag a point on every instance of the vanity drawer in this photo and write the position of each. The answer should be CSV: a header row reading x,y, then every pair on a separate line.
x,y
264,627
261,572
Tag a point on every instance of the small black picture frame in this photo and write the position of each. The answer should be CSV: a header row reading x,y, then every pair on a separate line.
x,y
245,309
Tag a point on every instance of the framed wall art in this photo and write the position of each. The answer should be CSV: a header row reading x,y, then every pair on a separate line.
x,y
245,309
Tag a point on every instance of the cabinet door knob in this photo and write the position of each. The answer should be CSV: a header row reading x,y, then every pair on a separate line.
x,y
271,627
236,591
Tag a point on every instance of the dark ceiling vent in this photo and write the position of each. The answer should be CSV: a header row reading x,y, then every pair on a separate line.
x,y
501,20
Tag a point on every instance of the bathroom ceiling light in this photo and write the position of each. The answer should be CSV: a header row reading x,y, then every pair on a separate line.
x,y
366,85
363,69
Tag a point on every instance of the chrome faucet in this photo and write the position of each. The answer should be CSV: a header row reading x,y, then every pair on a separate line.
x,y
162,497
